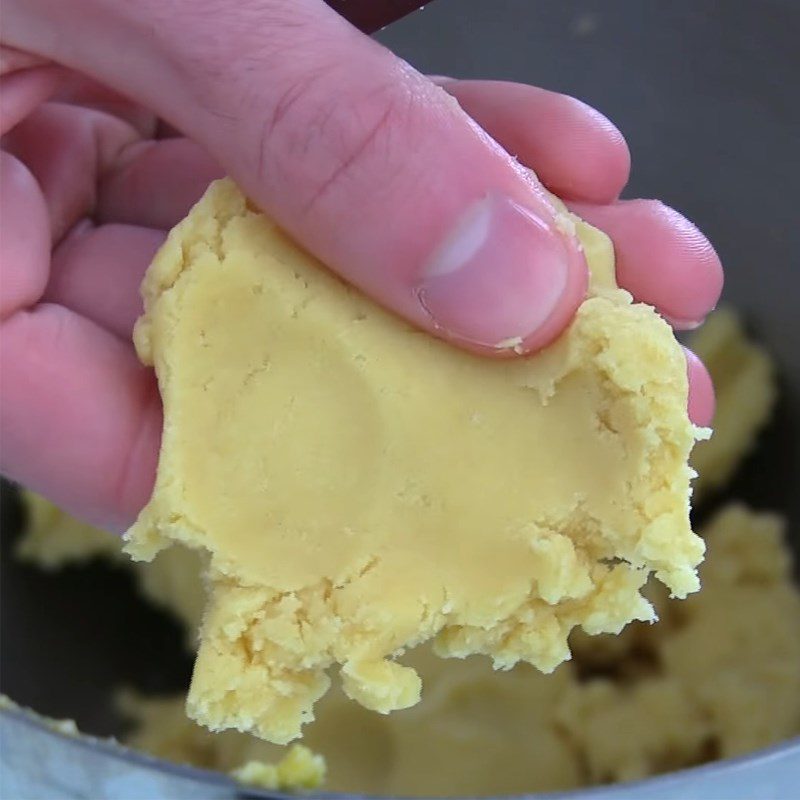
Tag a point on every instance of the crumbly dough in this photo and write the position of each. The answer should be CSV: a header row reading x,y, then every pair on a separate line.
x,y
297,770
476,732
702,682
361,487
745,386
718,676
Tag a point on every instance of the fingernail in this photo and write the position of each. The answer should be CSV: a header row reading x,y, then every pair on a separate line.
x,y
680,324
499,275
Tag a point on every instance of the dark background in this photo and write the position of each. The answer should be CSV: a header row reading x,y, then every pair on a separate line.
x,y
706,93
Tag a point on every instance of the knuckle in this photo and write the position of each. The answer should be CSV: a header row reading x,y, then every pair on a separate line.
x,y
324,142
295,114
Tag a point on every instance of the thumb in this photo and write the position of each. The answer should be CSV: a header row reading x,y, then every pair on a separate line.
x,y
374,169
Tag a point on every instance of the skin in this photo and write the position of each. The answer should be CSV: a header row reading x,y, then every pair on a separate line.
x,y
367,163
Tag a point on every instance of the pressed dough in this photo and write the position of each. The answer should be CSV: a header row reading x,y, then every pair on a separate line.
x,y
361,487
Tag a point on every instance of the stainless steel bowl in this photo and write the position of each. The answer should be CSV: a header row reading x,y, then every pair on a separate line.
x,y
706,94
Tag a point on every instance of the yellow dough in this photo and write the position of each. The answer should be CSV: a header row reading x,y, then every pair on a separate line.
x,y
718,676
476,732
361,487
299,769
701,682
744,382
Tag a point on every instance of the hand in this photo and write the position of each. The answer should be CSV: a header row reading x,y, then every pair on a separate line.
x,y
389,177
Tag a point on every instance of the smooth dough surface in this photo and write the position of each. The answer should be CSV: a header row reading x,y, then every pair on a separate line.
x,y
361,487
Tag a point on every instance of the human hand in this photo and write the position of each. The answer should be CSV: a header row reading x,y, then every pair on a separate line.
x,y
373,167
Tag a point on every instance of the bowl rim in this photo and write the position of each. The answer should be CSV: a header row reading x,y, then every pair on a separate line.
x,y
114,749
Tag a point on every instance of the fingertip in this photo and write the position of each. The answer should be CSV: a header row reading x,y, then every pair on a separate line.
x,y
506,279
576,151
696,276
661,257
600,157
701,391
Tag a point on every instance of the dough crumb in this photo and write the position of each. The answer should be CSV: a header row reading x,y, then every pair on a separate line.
x,y
299,769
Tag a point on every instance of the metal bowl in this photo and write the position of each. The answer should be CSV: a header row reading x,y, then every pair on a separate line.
x,y
706,94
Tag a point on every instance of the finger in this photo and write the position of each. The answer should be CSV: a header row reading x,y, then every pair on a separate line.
x,y
22,91
80,417
662,259
25,240
96,272
166,131
368,164
155,183
701,391
13,60
79,90
67,148
576,152
66,381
